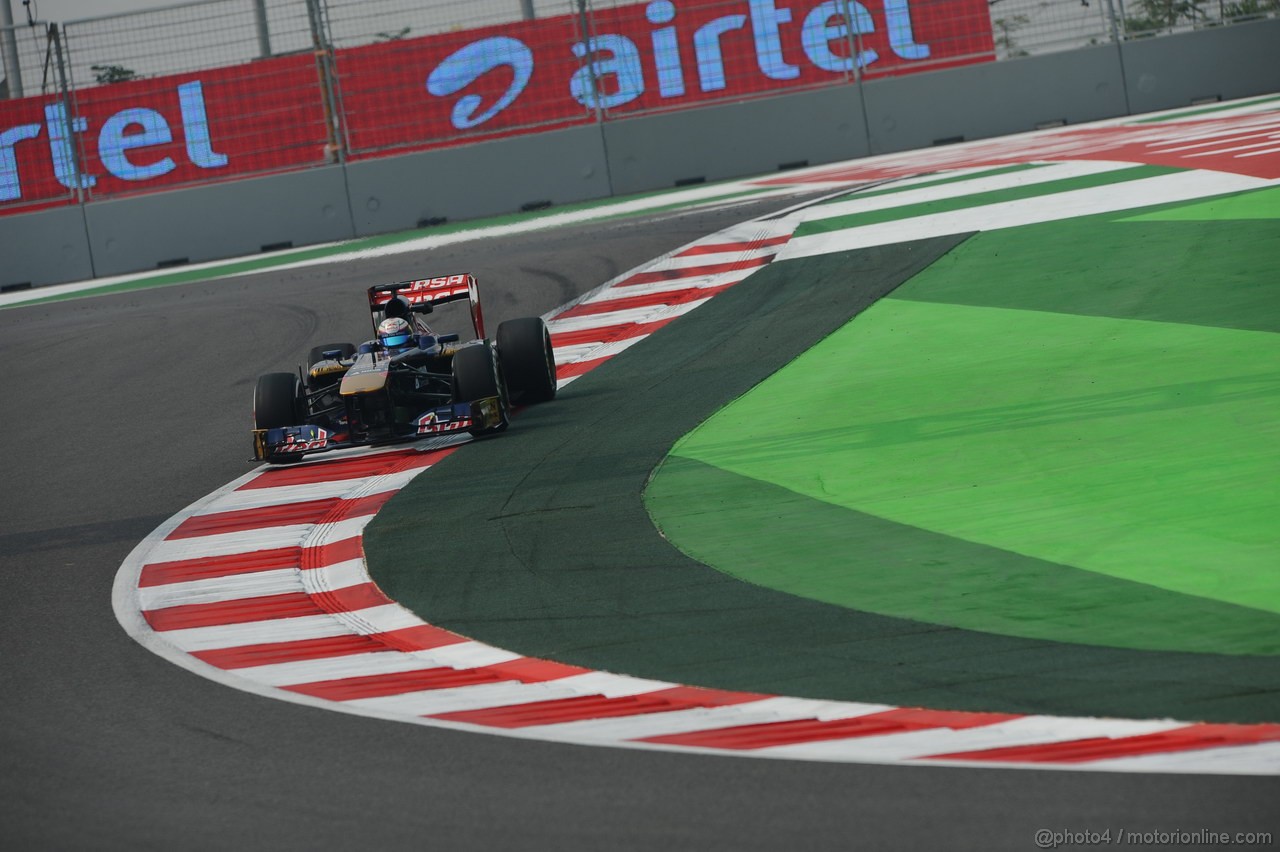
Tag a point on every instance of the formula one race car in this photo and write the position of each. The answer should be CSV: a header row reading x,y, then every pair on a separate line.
x,y
406,383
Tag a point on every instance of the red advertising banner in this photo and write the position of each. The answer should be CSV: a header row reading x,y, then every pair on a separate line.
x,y
156,133
642,57
455,88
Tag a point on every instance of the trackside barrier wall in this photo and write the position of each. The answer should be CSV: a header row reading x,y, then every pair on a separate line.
x,y
732,140
641,153
499,176
220,220
45,247
1226,62
995,99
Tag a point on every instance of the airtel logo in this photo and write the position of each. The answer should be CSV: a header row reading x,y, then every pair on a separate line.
x,y
823,36
121,141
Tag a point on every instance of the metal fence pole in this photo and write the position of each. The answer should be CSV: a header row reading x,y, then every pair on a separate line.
x,y
526,9
260,23
316,15
12,68
69,128
585,28
1115,22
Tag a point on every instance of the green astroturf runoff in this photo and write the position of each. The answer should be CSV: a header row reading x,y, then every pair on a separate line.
x,y
1067,431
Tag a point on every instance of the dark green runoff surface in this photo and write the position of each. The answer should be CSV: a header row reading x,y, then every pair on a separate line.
x,y
829,552
1184,276
541,543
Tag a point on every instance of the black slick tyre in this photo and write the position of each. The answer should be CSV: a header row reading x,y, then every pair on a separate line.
x,y
528,363
278,401
475,376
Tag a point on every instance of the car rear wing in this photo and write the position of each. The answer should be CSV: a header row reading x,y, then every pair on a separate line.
x,y
421,294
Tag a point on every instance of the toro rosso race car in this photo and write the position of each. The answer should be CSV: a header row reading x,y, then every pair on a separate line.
x,y
406,383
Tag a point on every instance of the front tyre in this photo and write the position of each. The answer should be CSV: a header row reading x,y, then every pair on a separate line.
x,y
475,376
528,362
278,400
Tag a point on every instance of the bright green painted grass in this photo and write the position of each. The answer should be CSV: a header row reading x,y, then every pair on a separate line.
x,y
1084,410
1259,204
1059,437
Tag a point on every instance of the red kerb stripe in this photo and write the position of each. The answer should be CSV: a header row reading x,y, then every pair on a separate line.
x,y
563,710
524,670
241,611
647,300
306,512
654,276
350,598
1106,748
419,638
207,567
335,469
607,333
331,554
579,368
770,734
269,653
720,248
398,683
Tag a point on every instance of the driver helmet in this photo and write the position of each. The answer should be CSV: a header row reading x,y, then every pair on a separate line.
x,y
394,333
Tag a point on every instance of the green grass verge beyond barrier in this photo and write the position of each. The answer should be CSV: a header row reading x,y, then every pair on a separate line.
x,y
1027,439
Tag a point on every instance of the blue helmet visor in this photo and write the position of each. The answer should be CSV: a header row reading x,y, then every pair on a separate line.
x,y
395,340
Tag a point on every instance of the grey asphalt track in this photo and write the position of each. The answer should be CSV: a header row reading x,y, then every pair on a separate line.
x,y
122,409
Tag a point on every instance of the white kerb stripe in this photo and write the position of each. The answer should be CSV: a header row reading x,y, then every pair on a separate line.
x,y
436,701
465,654
1147,192
1024,177
229,544
1029,730
1259,759
623,317
664,723
225,636
340,575
258,498
220,589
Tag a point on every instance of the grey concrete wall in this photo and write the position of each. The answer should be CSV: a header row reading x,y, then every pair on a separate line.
x,y
222,220
994,99
1225,63
44,247
502,176
732,140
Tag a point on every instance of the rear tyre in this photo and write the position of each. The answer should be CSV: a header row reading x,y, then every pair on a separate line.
x,y
278,401
528,363
475,376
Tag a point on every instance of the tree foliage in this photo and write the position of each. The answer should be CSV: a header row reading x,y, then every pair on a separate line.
x,y
113,73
